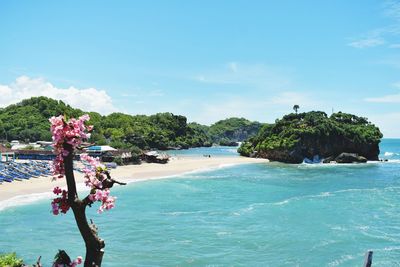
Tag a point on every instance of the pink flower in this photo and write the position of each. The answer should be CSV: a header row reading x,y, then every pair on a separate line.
x,y
57,190
74,132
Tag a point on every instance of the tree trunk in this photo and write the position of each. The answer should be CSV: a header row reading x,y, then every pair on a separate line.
x,y
94,245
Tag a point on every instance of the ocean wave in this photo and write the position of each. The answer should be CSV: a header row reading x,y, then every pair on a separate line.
x,y
333,193
253,206
390,154
184,174
337,228
389,188
27,199
342,260
200,170
323,243
249,208
380,235
338,165
291,199
23,200
178,213
393,161
390,248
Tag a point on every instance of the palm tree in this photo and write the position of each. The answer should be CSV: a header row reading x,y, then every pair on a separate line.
x,y
295,108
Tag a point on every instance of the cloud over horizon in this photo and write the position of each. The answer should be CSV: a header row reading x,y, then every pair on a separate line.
x,y
89,99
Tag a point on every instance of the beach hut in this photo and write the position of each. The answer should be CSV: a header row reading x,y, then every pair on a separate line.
x,y
6,153
100,149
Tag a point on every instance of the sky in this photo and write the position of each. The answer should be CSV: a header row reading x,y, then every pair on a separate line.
x,y
207,60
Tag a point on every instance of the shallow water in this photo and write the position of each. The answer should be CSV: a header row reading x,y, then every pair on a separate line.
x,y
249,215
216,151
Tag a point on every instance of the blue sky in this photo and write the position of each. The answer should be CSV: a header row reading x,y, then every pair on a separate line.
x,y
207,60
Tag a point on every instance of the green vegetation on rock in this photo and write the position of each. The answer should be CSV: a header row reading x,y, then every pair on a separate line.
x,y
297,136
28,120
232,130
10,260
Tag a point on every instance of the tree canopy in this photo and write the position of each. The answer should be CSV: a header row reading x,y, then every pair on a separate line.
x,y
28,121
296,136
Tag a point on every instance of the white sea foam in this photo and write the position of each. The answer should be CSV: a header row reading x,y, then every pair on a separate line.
x,y
388,154
184,174
291,199
34,197
342,260
341,165
23,200
393,161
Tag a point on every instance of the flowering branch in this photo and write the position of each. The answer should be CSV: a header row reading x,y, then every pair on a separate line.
x,y
69,136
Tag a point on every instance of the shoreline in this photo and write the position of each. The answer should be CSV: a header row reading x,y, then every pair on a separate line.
x,y
27,191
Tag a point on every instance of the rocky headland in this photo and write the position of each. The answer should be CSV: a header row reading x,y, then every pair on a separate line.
x,y
341,137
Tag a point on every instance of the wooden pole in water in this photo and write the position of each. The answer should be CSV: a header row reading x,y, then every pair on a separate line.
x,y
368,259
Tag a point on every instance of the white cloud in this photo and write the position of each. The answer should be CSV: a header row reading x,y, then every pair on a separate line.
x,y
392,98
233,66
88,99
368,42
292,98
265,109
395,98
234,107
387,124
253,75
396,84
387,34
156,93
392,9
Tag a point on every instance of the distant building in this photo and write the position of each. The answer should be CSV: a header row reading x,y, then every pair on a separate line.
x,y
6,154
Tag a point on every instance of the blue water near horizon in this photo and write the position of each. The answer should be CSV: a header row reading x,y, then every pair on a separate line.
x,y
267,214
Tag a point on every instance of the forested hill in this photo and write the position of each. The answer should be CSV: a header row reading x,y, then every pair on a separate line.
x,y
28,121
233,130
305,135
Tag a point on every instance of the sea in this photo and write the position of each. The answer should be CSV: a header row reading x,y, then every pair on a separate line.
x,y
262,214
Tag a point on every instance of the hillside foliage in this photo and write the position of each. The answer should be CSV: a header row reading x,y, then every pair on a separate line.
x,y
296,136
27,121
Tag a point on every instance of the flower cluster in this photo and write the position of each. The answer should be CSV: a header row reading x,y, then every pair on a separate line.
x,y
72,132
60,203
103,196
94,178
94,171
76,262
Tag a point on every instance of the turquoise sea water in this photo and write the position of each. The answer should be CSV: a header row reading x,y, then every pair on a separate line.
x,y
216,151
267,214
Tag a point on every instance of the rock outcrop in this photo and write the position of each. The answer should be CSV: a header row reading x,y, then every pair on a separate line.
x,y
350,158
341,136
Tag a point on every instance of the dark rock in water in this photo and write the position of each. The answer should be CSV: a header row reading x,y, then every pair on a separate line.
x,y
350,158
228,143
329,159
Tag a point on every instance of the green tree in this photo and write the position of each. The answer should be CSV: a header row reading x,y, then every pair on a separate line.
x,y
296,108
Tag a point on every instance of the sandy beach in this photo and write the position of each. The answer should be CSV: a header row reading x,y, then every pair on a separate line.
x,y
129,173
